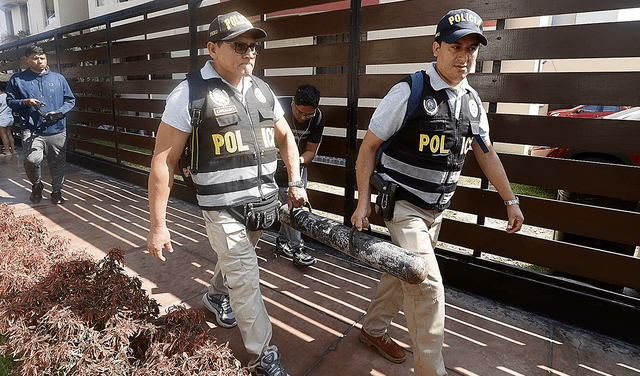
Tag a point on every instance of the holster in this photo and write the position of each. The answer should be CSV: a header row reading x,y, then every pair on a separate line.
x,y
386,200
257,215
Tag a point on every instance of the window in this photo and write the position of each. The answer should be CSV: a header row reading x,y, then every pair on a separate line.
x,y
50,12
591,109
611,109
9,21
24,14
109,2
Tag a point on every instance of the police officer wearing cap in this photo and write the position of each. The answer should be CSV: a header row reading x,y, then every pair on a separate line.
x,y
236,155
424,158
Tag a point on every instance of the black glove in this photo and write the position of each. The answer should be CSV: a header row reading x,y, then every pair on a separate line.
x,y
53,117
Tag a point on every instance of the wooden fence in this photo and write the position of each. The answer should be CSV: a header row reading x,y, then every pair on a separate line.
x,y
122,66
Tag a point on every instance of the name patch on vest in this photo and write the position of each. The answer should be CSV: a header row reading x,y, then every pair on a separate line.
x,y
430,106
227,110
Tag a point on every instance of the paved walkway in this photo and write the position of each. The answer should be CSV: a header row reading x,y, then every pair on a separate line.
x,y
315,311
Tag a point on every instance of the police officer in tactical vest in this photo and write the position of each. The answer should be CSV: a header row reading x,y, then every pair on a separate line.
x,y
233,163
423,151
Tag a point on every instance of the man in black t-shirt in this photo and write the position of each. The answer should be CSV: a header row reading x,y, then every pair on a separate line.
x,y
307,124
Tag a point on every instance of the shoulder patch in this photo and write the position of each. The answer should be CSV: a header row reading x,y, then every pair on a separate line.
x,y
219,97
473,108
259,96
430,105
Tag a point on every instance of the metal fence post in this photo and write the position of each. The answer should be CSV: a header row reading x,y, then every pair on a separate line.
x,y
193,34
493,108
353,88
112,91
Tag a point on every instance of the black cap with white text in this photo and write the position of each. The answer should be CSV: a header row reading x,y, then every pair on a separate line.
x,y
458,24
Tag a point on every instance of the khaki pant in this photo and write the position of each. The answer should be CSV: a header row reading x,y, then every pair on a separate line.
x,y
236,274
414,229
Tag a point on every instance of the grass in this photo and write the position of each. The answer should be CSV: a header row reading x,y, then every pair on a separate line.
x,y
529,190
6,363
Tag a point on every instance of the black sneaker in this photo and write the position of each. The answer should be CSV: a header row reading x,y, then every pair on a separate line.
x,y
56,198
270,365
36,193
283,247
302,258
221,308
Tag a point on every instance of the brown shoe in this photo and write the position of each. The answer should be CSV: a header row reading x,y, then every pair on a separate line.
x,y
385,345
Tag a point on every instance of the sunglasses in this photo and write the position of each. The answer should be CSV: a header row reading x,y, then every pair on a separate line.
x,y
301,114
242,48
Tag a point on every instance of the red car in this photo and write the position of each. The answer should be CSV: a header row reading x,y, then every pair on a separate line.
x,y
629,113
632,114
587,111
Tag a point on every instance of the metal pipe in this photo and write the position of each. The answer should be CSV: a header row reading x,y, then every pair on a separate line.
x,y
375,252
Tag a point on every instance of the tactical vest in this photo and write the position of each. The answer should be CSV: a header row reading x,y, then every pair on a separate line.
x,y
426,156
233,148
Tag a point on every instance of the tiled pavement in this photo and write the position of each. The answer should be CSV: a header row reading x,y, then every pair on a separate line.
x,y
315,311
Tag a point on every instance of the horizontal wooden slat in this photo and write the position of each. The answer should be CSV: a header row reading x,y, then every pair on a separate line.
x,y
602,223
333,147
334,116
93,148
140,141
84,39
377,85
534,87
327,174
173,20
251,8
135,157
145,86
587,262
10,66
604,135
101,70
141,105
92,102
90,132
151,46
90,54
320,55
296,26
559,87
396,51
600,179
423,12
330,85
157,66
326,202
90,118
138,122
90,87
606,40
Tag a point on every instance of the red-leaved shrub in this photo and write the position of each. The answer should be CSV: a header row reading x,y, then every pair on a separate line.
x,y
63,314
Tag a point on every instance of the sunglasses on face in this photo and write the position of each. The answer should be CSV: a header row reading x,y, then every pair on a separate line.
x,y
241,48
301,114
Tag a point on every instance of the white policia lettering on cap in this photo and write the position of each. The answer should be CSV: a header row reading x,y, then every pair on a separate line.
x,y
235,20
465,17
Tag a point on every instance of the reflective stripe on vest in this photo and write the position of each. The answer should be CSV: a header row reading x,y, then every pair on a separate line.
x,y
426,156
236,147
